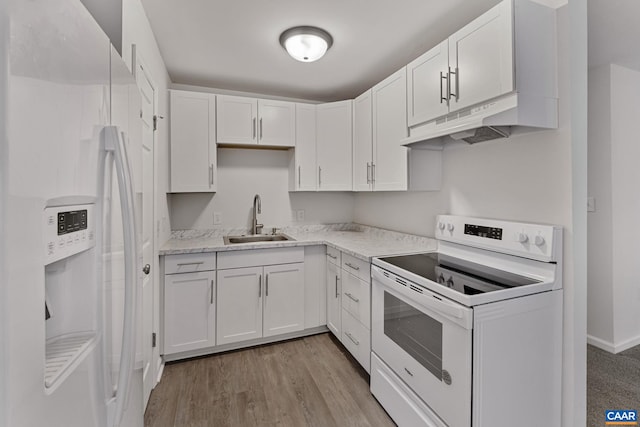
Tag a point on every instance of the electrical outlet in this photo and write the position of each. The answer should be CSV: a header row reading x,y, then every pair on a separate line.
x,y
300,215
591,204
217,218
294,215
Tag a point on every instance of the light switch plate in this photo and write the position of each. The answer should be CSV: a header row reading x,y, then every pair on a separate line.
x,y
591,204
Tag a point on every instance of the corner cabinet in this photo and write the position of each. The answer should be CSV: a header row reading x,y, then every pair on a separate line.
x,y
334,145
192,140
251,121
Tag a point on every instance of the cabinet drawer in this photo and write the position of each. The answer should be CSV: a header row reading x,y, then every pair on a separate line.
x,y
357,339
260,257
356,266
189,263
356,298
333,255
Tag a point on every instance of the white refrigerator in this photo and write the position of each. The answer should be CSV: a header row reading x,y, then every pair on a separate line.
x,y
70,265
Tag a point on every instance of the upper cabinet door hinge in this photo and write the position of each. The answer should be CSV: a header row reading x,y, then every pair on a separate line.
x,y
155,121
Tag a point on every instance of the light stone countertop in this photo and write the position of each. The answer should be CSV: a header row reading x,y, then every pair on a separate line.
x,y
357,240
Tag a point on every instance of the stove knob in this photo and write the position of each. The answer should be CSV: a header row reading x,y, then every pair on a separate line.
x,y
521,237
539,240
450,283
450,227
441,278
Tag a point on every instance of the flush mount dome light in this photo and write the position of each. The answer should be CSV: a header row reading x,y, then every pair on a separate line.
x,y
306,44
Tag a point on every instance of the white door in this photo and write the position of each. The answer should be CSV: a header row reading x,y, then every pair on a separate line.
x,y
239,305
283,299
482,53
427,85
276,123
334,306
237,120
362,142
305,152
147,91
389,128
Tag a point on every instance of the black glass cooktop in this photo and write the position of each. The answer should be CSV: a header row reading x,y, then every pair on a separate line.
x,y
461,275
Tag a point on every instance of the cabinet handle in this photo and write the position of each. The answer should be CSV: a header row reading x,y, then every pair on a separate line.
x,y
457,93
373,173
180,264
210,175
354,299
337,287
254,128
332,256
408,371
355,267
266,285
260,286
355,341
319,176
368,173
298,176
442,95
260,135
211,300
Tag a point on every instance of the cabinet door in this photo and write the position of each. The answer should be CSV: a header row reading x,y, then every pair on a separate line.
x,y
189,311
333,145
283,299
276,123
240,292
427,85
356,298
362,142
304,174
389,128
193,147
237,120
334,306
481,55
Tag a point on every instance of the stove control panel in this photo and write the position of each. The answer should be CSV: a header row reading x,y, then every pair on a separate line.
x,y
68,230
537,241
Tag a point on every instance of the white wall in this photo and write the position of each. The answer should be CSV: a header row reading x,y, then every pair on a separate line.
x,y
614,242
242,173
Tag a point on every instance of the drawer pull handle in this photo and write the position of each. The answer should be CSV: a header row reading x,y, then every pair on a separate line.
x,y
260,286
211,290
352,297
408,371
355,341
332,256
355,267
181,264
337,287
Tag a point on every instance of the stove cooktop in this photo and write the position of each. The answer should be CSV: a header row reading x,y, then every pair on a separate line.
x,y
460,275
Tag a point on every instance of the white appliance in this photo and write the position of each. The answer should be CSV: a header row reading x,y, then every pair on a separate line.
x,y
471,335
69,257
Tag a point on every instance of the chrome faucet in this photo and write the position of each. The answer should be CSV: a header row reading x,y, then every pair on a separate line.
x,y
257,208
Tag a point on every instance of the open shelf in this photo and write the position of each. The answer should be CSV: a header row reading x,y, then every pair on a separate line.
x,y
63,355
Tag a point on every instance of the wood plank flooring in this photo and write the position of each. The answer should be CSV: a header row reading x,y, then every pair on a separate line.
x,y
311,381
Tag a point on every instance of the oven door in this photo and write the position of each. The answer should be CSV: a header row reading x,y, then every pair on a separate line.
x,y
426,340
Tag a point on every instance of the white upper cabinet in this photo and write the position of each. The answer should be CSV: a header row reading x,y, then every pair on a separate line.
x,y
304,172
193,147
390,169
426,85
333,145
250,121
481,58
362,142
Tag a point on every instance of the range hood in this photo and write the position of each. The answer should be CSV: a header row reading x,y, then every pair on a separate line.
x,y
498,118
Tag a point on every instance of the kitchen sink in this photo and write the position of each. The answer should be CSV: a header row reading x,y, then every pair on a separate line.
x,y
231,240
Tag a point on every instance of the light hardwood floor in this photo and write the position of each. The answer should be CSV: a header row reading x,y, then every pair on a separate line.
x,y
310,381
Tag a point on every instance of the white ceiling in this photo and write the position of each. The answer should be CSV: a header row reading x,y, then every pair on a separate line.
x,y
234,45
614,32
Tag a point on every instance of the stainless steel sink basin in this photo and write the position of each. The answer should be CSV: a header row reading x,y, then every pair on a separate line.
x,y
231,240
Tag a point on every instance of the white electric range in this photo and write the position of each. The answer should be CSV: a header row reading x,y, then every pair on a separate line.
x,y
471,335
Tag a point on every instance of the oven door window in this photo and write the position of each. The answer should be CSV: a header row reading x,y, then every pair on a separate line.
x,y
415,332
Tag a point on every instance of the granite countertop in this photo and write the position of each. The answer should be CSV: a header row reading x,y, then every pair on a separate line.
x,y
357,240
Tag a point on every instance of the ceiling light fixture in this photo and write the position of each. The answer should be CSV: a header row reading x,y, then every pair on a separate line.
x,y
306,44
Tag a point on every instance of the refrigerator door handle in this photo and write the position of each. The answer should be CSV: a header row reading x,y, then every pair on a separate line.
x,y
114,142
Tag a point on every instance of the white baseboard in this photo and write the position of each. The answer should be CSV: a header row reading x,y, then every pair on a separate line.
x,y
611,347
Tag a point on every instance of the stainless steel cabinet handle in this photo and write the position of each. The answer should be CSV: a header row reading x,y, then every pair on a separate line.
x,y
299,176
355,267
354,299
260,128
408,371
260,286
254,128
319,176
211,300
332,256
373,173
266,285
337,287
442,95
180,264
211,175
456,94
368,173
355,341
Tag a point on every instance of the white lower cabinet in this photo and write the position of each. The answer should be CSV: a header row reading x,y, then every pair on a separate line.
x,y
259,301
189,303
357,339
334,305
